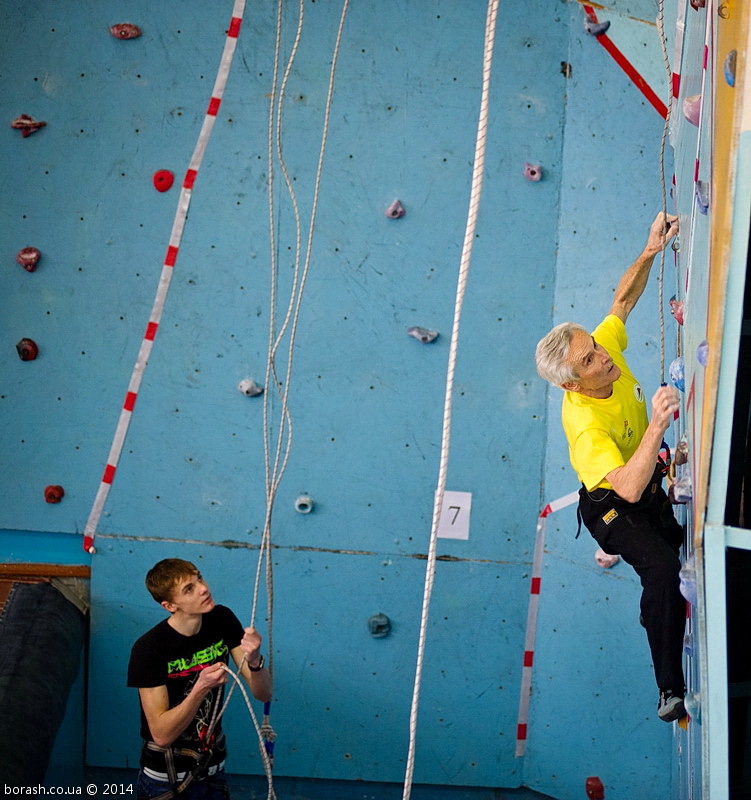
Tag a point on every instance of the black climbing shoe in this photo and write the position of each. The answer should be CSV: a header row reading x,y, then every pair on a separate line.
x,y
671,706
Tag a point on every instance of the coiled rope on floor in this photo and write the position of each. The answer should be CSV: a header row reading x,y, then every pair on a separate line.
x,y
469,235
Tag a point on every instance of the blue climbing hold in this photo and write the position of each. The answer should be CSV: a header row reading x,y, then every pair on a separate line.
x,y
595,28
677,374
702,196
729,67
702,353
422,334
688,581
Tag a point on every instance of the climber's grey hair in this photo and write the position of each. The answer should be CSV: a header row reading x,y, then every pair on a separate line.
x,y
552,352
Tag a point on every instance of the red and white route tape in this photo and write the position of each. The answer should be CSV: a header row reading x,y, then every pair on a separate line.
x,y
532,610
173,248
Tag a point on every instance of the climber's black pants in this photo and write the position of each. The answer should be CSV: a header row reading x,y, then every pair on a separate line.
x,y
648,537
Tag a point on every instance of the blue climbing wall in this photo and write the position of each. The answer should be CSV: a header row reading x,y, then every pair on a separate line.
x,y
365,399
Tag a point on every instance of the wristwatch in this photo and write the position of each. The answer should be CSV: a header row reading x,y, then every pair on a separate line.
x,y
259,667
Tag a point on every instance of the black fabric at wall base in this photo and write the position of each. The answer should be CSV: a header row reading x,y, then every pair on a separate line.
x,y
41,640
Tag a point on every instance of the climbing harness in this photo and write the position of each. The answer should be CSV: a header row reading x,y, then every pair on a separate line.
x,y
179,781
474,202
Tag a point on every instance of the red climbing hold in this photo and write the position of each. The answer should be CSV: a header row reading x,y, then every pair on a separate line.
x,y
26,124
595,789
54,494
125,30
27,349
28,258
163,180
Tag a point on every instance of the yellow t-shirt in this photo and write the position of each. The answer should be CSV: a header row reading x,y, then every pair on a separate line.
x,y
603,434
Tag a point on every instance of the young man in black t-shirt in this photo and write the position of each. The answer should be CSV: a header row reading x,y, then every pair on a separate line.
x,y
178,669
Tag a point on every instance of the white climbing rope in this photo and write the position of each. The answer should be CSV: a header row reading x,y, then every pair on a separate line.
x,y
469,235
275,471
665,128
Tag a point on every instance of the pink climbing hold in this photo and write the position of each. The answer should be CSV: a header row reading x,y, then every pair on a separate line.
x,y
125,30
532,172
396,210
28,258
676,309
606,560
692,109
163,180
26,124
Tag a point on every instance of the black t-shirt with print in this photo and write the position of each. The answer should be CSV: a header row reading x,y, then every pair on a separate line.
x,y
165,657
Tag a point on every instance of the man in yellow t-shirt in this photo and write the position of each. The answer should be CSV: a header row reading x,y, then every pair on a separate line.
x,y
614,449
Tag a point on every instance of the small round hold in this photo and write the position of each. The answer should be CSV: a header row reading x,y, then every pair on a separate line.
x,y
304,504
606,560
396,210
692,109
729,67
532,172
250,388
697,4
27,349
28,258
125,30
163,180
422,334
54,493
702,353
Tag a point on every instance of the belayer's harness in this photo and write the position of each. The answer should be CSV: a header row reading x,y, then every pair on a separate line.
x,y
180,782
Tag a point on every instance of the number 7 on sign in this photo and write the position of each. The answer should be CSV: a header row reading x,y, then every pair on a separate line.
x,y
455,511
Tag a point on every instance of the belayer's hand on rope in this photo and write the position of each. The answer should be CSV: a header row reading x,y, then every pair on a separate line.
x,y
251,647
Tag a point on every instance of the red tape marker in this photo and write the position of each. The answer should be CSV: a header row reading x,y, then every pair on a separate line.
x,y
628,67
